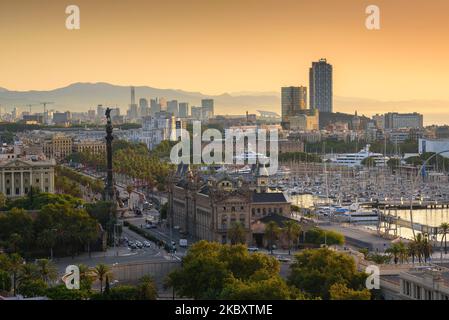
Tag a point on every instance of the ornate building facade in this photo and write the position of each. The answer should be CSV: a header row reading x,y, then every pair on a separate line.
x,y
206,208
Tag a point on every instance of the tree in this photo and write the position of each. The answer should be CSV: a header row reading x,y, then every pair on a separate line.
x,y
444,230
339,291
60,292
314,271
291,230
2,200
209,267
86,277
147,289
47,239
272,231
237,233
13,265
47,270
32,288
268,287
102,271
395,251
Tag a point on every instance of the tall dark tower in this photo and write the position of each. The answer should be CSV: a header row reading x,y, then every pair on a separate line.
x,y
109,190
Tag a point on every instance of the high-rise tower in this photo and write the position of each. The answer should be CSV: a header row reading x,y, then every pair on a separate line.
x,y
320,86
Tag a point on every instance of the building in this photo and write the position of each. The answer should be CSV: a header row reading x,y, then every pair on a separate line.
x,y
58,147
305,120
289,146
183,110
91,146
207,207
320,86
379,119
144,110
172,107
196,113
207,106
18,176
290,103
394,120
419,283
61,118
155,106
155,129
433,145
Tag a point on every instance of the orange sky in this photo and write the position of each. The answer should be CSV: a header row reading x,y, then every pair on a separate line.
x,y
217,46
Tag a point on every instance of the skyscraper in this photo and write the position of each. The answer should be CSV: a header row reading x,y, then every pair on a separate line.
x,y
183,109
143,107
172,107
291,102
155,106
208,107
320,85
133,112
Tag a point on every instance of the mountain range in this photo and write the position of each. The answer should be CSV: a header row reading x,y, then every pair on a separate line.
x,y
85,96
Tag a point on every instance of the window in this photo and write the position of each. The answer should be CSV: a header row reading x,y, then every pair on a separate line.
x,y
37,180
8,191
17,191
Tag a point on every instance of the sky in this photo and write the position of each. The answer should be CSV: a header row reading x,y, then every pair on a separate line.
x,y
217,46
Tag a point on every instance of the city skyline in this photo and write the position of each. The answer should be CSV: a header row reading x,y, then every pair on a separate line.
x,y
136,47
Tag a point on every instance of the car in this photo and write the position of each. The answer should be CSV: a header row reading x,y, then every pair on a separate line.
x,y
283,259
133,246
253,249
147,244
139,244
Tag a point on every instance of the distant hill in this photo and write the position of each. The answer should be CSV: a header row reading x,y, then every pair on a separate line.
x,y
85,96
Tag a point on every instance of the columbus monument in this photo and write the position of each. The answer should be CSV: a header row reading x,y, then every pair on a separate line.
x,y
109,190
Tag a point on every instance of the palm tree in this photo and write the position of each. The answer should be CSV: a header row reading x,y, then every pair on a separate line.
x,y
412,250
237,233
271,232
102,271
147,289
291,230
395,251
86,276
14,265
47,270
426,248
444,230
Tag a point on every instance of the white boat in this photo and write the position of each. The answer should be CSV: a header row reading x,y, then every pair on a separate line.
x,y
354,213
355,159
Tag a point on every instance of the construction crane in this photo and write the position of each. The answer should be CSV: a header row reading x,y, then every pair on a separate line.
x,y
32,105
45,109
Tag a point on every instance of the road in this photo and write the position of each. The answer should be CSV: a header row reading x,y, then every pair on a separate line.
x,y
118,255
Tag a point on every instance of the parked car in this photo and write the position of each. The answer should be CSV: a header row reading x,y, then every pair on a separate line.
x,y
183,243
253,249
147,244
283,259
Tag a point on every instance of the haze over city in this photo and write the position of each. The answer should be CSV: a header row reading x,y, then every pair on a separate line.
x,y
234,46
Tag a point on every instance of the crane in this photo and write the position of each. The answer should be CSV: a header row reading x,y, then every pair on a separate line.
x,y
45,109
32,105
